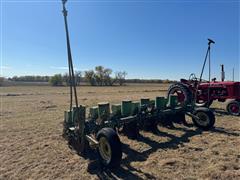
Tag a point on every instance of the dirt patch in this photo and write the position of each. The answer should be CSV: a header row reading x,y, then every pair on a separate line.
x,y
31,145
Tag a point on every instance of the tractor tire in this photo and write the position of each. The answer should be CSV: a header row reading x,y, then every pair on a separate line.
x,y
184,94
109,149
233,107
207,118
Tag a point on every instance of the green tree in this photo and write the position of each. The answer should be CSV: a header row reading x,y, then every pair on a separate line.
x,y
103,76
99,75
56,80
90,77
107,80
66,79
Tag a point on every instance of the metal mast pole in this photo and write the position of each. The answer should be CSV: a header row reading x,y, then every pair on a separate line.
x,y
209,73
79,126
70,63
203,67
205,60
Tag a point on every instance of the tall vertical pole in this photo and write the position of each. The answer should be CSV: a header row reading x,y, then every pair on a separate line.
x,y
222,72
209,61
209,74
70,63
80,122
233,74
203,67
205,60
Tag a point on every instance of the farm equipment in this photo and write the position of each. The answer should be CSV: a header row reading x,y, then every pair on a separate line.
x,y
99,129
208,91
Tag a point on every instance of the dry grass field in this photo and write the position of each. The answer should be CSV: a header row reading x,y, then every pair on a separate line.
x,y
32,147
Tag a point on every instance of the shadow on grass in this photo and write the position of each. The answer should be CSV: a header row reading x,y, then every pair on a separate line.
x,y
126,170
224,131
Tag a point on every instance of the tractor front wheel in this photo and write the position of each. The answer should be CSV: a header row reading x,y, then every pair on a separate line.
x,y
109,149
233,107
205,118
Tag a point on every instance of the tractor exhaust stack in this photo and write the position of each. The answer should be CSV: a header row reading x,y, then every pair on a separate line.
x,y
222,73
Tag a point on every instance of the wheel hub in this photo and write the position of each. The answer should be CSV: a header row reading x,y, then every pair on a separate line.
x,y
203,118
234,108
105,150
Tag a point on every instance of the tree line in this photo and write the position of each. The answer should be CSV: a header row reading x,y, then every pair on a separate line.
x,y
99,76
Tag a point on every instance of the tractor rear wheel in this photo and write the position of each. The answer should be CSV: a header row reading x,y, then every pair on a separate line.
x,y
109,149
183,93
205,120
233,107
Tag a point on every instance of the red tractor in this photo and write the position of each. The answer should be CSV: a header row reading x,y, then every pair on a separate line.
x,y
203,93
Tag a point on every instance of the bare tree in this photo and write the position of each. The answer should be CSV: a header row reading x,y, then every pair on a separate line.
x,y
120,77
107,80
78,76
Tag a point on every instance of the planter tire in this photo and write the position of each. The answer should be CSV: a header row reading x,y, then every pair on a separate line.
x,y
109,149
207,118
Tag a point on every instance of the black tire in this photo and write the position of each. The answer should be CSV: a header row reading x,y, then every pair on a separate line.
x,y
207,118
185,91
233,107
110,148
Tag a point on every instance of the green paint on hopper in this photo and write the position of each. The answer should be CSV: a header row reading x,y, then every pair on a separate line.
x,y
103,110
68,118
93,112
126,108
144,101
78,114
116,109
152,102
135,108
161,102
173,100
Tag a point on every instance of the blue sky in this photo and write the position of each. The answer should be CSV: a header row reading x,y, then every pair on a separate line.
x,y
148,39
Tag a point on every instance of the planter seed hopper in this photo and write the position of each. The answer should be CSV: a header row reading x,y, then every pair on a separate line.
x,y
99,129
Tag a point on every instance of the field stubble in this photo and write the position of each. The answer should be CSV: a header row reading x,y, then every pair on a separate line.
x,y
32,147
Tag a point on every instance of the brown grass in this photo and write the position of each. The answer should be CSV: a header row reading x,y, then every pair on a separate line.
x,y
31,145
